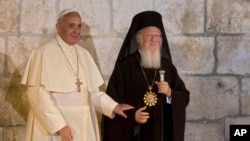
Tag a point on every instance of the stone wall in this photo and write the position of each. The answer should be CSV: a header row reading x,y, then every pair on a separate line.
x,y
209,41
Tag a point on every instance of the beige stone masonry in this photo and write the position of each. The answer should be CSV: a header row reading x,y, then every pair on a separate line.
x,y
209,42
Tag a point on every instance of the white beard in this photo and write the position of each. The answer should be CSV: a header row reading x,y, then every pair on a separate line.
x,y
151,60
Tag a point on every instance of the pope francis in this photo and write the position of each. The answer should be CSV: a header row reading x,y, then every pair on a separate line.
x,y
62,83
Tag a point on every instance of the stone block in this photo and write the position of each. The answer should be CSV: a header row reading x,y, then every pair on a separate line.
x,y
233,54
19,49
38,16
96,16
203,132
124,11
15,133
107,51
212,97
245,96
192,54
8,16
182,16
228,16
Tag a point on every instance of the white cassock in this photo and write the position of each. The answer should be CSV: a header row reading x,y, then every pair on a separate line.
x,y
53,97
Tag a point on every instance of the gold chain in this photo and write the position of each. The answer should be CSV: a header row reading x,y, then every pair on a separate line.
x,y
150,87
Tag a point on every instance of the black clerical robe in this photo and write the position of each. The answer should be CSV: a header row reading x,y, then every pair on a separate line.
x,y
128,85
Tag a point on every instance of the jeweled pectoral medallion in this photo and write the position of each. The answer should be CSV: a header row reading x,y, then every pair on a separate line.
x,y
150,98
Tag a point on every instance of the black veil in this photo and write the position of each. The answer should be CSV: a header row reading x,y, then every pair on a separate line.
x,y
167,121
141,20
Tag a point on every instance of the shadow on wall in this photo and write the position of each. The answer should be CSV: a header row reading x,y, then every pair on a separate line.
x,y
15,93
87,43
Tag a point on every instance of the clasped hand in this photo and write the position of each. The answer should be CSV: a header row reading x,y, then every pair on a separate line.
x,y
163,88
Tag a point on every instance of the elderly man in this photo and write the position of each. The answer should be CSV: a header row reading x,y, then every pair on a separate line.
x,y
63,82
159,98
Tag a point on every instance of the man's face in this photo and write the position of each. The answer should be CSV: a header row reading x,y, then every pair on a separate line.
x,y
149,39
69,28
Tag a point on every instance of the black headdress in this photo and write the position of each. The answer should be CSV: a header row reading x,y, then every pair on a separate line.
x,y
141,20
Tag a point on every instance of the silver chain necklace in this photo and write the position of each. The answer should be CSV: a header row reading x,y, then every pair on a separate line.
x,y
78,82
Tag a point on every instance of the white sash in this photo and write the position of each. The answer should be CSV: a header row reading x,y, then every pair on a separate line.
x,y
71,99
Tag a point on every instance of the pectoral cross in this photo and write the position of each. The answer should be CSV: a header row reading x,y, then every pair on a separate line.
x,y
78,83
